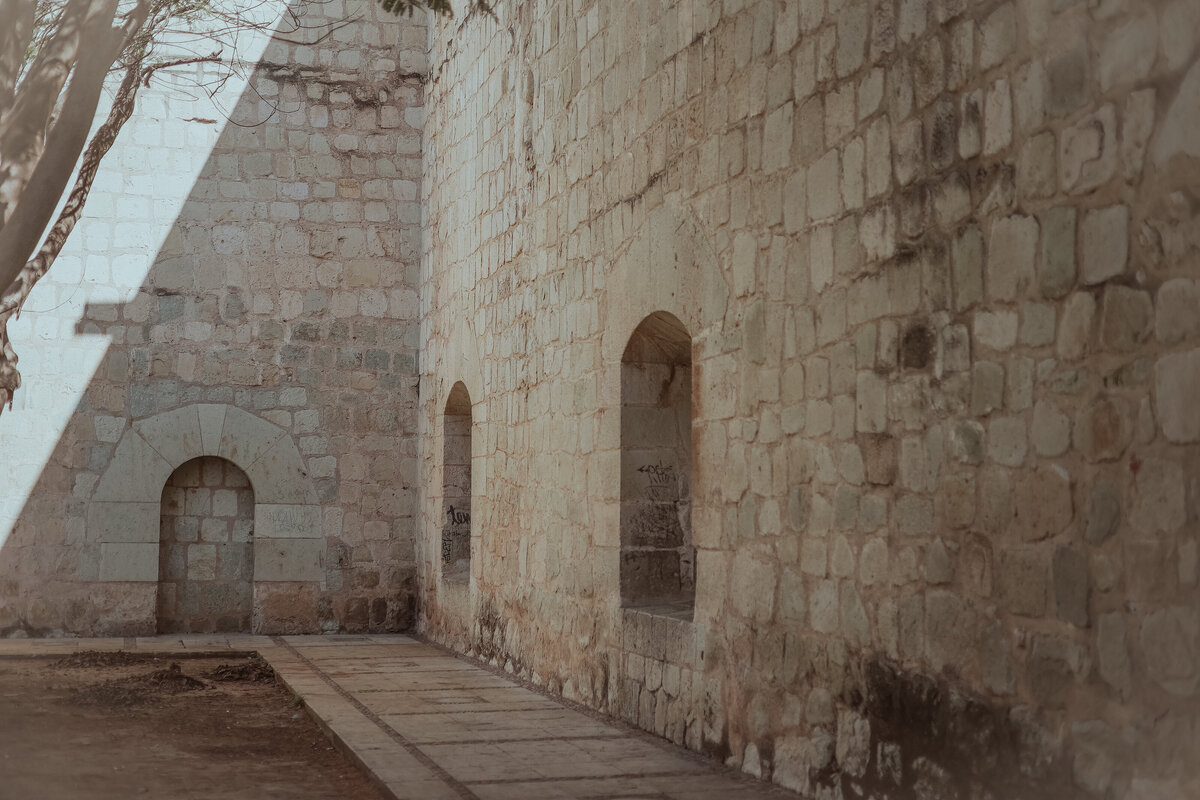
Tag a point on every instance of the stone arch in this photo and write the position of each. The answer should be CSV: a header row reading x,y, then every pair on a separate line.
x,y
461,371
456,484
206,549
123,517
669,266
462,364
657,554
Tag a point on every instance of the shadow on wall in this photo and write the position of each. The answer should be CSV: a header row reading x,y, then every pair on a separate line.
x,y
281,295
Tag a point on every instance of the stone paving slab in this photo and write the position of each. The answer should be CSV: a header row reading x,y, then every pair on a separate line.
x,y
428,725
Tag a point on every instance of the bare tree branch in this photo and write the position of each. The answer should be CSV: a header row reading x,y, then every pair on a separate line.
x,y
23,128
14,298
35,205
75,41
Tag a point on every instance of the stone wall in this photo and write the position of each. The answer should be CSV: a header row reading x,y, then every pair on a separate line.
x,y
938,263
255,280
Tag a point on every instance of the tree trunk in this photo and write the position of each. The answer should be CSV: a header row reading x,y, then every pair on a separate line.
x,y
16,31
23,230
18,291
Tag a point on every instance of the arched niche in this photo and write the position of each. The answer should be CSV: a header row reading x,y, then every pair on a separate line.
x,y
658,557
206,549
124,513
456,486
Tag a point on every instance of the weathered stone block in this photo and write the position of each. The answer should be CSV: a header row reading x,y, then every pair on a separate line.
x,y
1112,651
871,403
1051,431
274,521
289,559
1044,507
1176,387
1021,580
1012,250
126,561
1007,441
1170,640
1071,585
1103,513
1104,238
950,624
1176,134
1158,499
279,475
136,472
123,522
1103,428
1125,318
1178,311
1075,330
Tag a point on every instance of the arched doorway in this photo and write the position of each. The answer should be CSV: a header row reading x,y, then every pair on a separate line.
x,y
206,549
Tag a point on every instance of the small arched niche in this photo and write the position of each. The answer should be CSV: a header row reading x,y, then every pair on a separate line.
x,y
658,558
456,486
206,549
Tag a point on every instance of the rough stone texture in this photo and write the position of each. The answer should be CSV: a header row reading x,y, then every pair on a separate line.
x,y
244,289
935,262
988,174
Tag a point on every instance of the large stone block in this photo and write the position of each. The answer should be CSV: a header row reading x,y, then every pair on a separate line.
x,y
129,561
1071,585
136,473
1021,576
1012,249
1177,132
174,434
1170,640
1158,505
1105,244
1113,652
289,559
279,475
212,422
1176,387
123,522
277,521
245,437
1043,503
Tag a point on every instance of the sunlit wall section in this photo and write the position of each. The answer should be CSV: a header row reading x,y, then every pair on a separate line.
x,y
252,252
139,192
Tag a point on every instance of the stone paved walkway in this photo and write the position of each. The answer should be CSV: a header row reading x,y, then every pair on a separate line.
x,y
428,725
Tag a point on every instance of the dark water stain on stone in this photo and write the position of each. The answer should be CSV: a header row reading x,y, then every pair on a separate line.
x,y
931,739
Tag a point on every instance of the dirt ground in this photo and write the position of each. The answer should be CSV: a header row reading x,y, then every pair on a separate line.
x,y
93,726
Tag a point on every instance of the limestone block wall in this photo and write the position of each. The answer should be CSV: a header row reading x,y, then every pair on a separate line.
x,y
938,263
247,271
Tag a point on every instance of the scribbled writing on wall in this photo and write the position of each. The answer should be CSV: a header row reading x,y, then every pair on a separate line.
x,y
456,542
458,516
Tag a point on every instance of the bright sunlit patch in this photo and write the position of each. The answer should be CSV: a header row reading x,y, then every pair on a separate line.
x,y
145,180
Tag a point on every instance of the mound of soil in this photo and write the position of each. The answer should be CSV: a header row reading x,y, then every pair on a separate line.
x,y
137,689
253,669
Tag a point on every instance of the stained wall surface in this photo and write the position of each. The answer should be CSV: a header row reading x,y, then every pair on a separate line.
x,y
245,287
938,261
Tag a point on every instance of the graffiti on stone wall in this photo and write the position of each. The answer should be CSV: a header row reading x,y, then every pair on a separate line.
x,y
458,516
456,541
